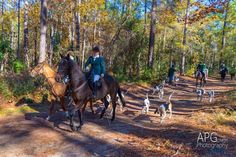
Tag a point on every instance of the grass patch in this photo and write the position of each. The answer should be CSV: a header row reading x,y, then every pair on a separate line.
x,y
228,118
15,110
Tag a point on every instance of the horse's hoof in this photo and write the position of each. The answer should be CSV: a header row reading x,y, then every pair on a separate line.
x,y
73,128
78,127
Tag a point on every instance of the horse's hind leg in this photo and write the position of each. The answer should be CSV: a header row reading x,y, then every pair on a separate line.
x,y
91,106
106,103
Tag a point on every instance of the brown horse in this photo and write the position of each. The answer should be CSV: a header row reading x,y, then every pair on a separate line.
x,y
81,91
201,77
58,90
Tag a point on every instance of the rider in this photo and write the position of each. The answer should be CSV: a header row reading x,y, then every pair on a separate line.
x,y
97,68
201,67
223,71
171,73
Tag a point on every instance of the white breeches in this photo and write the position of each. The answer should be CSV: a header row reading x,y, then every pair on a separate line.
x,y
96,78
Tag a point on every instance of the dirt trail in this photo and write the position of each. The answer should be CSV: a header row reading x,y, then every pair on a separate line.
x,y
131,134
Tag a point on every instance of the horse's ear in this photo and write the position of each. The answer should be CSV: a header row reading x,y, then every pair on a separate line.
x,y
68,56
61,55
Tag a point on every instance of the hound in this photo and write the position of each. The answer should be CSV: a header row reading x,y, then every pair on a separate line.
x,y
159,89
200,92
146,103
163,108
211,94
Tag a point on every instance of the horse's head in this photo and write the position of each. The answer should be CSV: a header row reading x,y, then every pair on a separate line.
x,y
38,69
64,67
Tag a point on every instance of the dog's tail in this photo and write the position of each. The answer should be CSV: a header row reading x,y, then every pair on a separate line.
x,y
121,97
170,96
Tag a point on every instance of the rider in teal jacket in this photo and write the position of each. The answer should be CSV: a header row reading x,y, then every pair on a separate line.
x,y
97,68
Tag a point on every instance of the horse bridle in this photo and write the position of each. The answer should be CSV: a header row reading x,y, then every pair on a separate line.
x,y
41,66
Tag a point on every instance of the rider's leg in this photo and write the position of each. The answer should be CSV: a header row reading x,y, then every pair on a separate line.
x,y
95,79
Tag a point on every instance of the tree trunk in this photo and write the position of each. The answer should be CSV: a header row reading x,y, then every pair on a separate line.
x,y
77,25
26,35
223,32
152,34
43,31
12,35
51,44
2,17
145,15
84,47
18,37
182,68
35,45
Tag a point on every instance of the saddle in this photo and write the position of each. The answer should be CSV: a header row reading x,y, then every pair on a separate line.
x,y
89,77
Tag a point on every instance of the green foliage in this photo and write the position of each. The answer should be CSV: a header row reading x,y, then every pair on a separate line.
x,y
232,70
18,66
190,71
16,86
5,48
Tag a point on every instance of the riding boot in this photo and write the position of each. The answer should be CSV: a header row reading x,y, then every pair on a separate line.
x,y
94,90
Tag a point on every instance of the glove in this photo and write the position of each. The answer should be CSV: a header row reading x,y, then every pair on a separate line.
x,y
87,68
102,75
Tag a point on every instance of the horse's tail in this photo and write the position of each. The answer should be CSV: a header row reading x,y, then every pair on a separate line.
x,y
121,97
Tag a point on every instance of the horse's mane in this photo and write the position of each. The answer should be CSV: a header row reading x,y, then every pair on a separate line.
x,y
50,69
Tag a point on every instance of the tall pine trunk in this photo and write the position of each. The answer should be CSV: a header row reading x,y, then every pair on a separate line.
x,y
77,25
182,67
223,32
51,44
35,45
18,35
152,34
43,31
2,17
26,35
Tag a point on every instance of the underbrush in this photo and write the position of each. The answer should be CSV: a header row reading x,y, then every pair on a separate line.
x,y
18,86
226,118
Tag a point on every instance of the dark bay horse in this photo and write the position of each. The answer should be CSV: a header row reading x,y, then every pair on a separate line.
x,y
58,90
81,91
200,77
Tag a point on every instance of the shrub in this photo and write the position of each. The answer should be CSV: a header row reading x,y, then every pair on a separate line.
x,y
190,72
4,89
18,66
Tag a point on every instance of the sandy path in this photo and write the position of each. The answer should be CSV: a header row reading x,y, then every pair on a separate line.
x,y
131,134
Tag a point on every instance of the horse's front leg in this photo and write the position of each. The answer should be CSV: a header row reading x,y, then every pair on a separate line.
x,y
52,104
113,109
62,102
80,120
106,103
72,124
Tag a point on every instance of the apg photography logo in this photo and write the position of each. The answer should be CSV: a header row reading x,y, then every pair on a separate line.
x,y
211,140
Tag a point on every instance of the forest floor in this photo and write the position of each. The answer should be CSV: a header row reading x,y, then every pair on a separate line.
x,y
131,134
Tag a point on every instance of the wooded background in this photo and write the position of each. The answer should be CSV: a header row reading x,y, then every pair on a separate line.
x,y
139,39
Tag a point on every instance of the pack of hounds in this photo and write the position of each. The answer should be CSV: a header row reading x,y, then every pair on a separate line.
x,y
167,106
